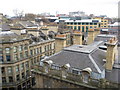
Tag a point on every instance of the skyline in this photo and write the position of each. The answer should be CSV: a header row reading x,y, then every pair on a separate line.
x,y
96,7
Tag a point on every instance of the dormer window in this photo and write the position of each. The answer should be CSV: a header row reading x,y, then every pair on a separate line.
x,y
76,72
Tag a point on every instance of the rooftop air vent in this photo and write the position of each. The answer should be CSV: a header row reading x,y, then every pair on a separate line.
x,y
103,47
104,60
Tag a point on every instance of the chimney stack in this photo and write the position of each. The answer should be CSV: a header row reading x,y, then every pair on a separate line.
x,y
91,36
60,41
111,53
77,37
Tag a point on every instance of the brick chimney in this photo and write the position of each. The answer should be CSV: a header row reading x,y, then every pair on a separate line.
x,y
77,37
111,53
60,41
91,36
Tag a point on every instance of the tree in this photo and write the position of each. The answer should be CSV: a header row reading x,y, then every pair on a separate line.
x,y
19,14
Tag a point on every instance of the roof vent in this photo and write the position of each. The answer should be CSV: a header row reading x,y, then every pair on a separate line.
x,y
104,60
103,47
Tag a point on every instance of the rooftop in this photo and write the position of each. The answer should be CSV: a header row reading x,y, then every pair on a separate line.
x,y
84,49
81,57
86,20
8,36
104,37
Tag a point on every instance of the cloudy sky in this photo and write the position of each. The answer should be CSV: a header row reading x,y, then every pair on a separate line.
x,y
97,7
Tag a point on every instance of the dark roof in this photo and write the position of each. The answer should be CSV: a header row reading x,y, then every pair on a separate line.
x,y
18,25
8,34
91,58
98,56
26,23
75,59
104,37
5,27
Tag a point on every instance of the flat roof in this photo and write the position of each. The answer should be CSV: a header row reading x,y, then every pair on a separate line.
x,y
86,20
84,49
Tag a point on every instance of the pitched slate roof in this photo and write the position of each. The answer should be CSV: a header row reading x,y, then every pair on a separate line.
x,y
80,59
5,27
26,23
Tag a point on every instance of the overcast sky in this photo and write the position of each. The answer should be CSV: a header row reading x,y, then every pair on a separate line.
x,y
97,7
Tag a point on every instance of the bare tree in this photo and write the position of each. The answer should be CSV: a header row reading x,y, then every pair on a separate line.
x,y
18,13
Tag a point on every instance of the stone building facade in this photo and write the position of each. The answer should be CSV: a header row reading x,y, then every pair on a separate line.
x,y
17,56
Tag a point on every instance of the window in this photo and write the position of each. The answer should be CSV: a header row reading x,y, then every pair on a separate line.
x,y
71,27
90,26
99,24
33,81
1,51
16,57
25,47
82,28
8,57
34,51
21,55
54,45
31,52
79,23
26,54
95,23
17,68
27,73
23,75
9,70
7,50
37,50
75,28
22,66
75,23
45,49
3,70
3,80
27,65
83,23
35,60
55,67
10,79
15,49
20,48
67,22
91,23
86,28
18,77
95,27
1,58
75,72
40,50
79,28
